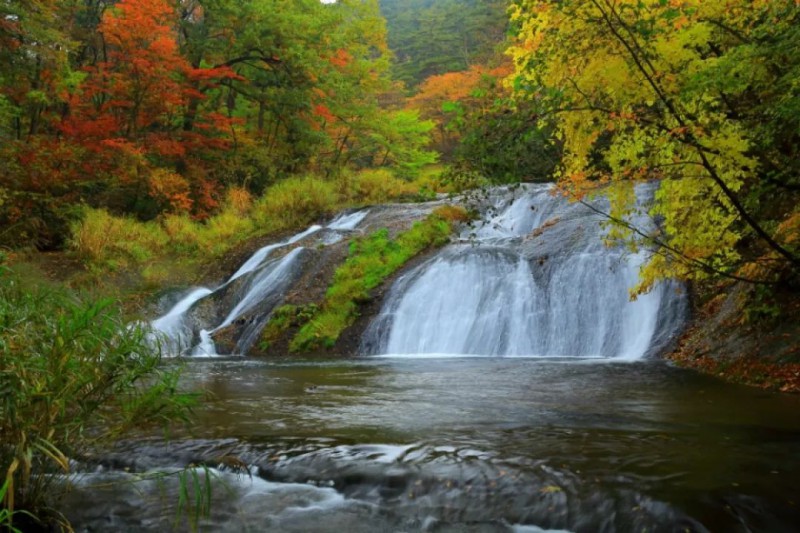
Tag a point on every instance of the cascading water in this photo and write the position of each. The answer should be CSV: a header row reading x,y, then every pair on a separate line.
x,y
534,280
259,283
348,221
257,258
172,325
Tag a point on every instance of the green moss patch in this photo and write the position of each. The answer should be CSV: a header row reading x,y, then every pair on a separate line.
x,y
284,318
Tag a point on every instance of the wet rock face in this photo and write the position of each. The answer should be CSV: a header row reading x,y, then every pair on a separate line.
x,y
727,337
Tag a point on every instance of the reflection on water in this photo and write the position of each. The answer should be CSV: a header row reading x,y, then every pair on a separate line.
x,y
480,444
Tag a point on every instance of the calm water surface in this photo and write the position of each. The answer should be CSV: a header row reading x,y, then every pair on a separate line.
x,y
465,444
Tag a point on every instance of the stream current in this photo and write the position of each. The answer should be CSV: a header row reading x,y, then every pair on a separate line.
x,y
465,444
507,384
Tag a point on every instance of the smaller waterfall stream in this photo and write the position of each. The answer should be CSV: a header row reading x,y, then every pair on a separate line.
x,y
257,258
172,325
260,282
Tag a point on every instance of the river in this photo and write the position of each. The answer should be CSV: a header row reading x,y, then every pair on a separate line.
x,y
465,444
608,438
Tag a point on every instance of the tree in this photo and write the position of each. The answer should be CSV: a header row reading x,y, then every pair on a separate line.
x,y
34,64
435,37
696,94
399,140
448,99
128,114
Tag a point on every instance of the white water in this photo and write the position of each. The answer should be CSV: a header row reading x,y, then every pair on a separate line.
x,y
273,276
349,221
521,291
206,348
257,258
267,280
476,304
533,280
172,329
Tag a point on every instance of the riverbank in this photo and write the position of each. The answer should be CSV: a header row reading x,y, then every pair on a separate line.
x,y
741,338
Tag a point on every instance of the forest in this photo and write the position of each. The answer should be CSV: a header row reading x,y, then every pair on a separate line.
x,y
148,144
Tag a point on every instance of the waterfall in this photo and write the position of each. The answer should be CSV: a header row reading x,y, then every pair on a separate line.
x,y
348,221
536,279
173,330
533,278
257,258
257,287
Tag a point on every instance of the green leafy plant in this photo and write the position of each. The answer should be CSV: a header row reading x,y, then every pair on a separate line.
x,y
73,378
283,318
7,515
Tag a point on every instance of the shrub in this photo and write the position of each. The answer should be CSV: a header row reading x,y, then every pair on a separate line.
x,y
453,213
431,181
183,233
375,186
73,377
294,202
282,319
103,239
222,231
238,200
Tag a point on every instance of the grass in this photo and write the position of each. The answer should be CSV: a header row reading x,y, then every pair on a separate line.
x,y
371,260
295,202
283,318
115,242
375,186
73,378
166,251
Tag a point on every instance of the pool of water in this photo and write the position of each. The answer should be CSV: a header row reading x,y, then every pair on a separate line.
x,y
460,444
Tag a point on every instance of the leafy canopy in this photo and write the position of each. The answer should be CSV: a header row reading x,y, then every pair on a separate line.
x,y
697,94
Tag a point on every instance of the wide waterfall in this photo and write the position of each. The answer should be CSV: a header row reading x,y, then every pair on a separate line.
x,y
536,279
533,278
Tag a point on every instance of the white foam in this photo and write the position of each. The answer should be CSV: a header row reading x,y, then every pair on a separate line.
x,y
348,222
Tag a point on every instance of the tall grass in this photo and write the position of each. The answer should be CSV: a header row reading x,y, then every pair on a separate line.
x,y
375,186
106,242
116,242
73,377
295,202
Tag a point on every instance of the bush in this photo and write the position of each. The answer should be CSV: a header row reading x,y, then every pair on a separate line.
x,y
375,186
73,378
103,239
294,202
431,181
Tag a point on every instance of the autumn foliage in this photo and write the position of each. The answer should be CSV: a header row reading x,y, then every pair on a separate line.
x,y
445,98
699,95
157,107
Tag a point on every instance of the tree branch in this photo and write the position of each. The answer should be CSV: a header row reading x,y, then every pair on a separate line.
x,y
671,107
674,251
